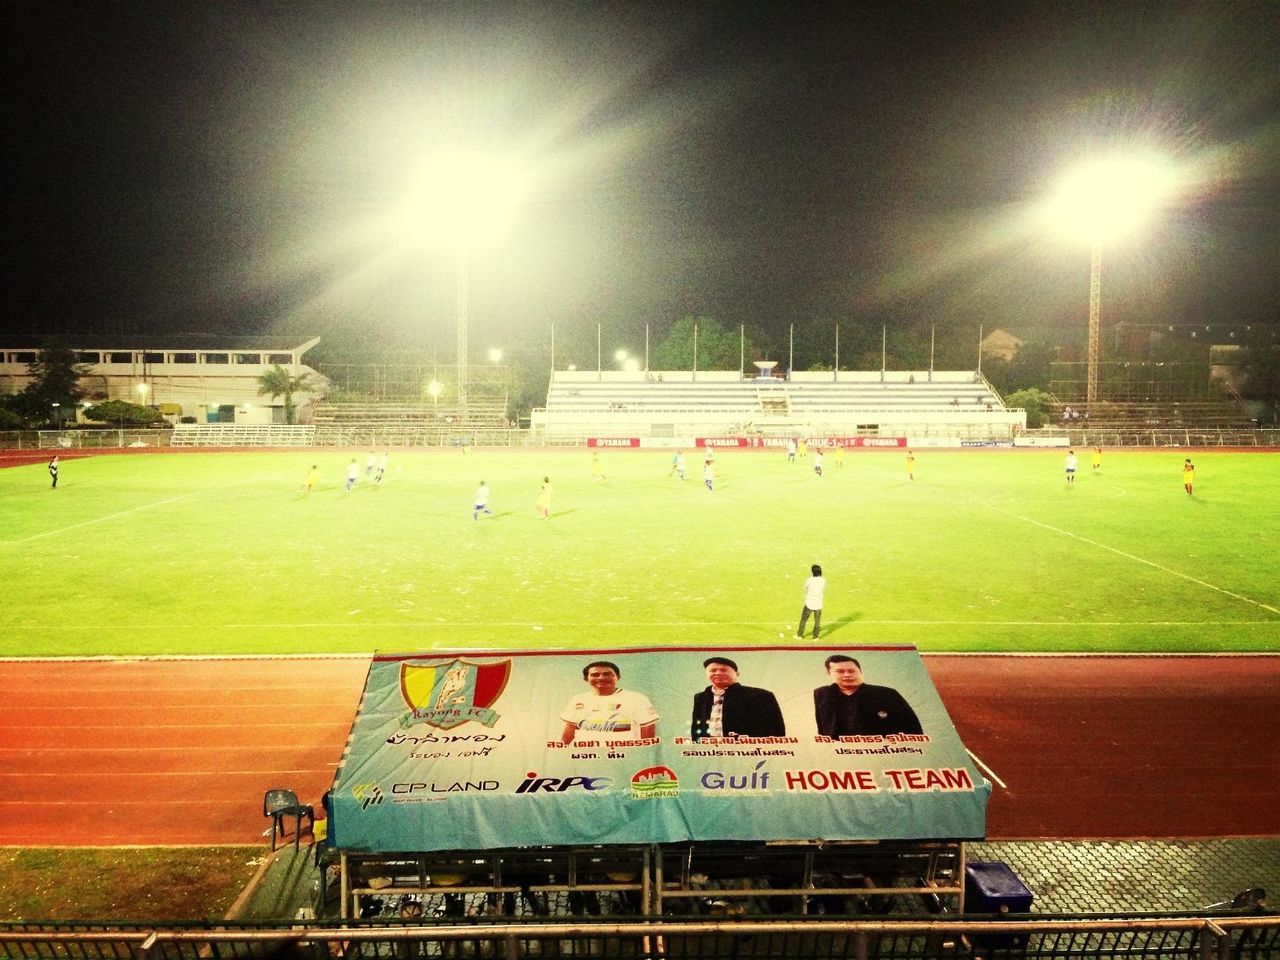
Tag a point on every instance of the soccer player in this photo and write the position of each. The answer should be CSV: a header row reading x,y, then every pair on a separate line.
x,y
369,462
677,465
791,449
544,499
382,468
53,472
313,477
353,474
597,468
1097,459
1070,464
839,454
709,476
911,465
481,501
802,448
817,462
1188,475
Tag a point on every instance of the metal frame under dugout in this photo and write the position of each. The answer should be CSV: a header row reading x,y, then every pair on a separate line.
x,y
718,879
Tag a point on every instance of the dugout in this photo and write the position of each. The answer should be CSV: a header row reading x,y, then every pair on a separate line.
x,y
501,783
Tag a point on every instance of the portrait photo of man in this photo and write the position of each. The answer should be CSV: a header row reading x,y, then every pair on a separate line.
x,y
727,708
849,706
605,711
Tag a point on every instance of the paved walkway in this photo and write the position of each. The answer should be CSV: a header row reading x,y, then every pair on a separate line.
x,y
1065,876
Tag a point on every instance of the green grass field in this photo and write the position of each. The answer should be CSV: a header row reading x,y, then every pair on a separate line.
x,y
221,553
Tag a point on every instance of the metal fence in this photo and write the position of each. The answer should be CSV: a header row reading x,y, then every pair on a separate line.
x,y
1043,938
372,436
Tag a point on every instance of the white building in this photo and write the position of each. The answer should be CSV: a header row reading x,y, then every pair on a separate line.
x,y
181,375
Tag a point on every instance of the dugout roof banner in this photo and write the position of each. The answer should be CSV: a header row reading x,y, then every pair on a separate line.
x,y
483,750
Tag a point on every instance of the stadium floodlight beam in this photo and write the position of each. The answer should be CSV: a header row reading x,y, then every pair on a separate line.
x,y
1104,200
463,198
495,355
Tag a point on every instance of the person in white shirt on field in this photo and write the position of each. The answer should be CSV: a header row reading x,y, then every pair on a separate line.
x,y
814,588
481,501
1071,467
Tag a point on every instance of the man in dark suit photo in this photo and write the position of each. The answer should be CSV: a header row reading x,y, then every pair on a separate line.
x,y
848,706
727,708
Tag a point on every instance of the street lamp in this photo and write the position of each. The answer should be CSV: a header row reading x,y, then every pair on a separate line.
x,y
1106,199
142,389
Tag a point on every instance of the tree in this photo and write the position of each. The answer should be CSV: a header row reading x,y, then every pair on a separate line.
x,y
55,381
1035,402
718,347
280,382
123,412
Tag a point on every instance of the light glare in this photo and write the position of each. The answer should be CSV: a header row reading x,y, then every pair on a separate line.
x,y
1111,197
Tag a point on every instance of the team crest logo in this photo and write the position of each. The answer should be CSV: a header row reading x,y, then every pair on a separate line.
x,y
447,695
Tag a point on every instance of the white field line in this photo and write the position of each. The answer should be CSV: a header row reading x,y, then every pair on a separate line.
x,y
989,772
1130,556
125,513
638,624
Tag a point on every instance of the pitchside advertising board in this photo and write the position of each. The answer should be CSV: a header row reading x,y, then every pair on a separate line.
x,y
755,443
482,750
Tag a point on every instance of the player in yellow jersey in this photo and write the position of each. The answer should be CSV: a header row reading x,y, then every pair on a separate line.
x,y
1096,459
544,499
911,465
1188,475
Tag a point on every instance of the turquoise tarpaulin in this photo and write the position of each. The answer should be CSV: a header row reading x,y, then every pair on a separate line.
x,y
468,751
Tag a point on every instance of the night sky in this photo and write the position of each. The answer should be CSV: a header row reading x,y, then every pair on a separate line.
x,y
222,168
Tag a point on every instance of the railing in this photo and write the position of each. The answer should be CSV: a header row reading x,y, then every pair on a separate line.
x,y
1041,938
62,440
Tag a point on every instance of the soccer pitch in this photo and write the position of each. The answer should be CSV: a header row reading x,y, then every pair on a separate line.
x,y
222,553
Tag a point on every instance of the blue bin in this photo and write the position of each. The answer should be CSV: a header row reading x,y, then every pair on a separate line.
x,y
994,888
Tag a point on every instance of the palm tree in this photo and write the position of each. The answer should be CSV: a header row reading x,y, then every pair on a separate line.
x,y
280,382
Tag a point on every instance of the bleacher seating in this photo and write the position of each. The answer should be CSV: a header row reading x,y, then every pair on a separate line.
x,y
1130,415
392,424
680,403
242,435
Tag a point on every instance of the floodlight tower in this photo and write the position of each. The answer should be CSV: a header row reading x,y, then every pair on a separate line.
x,y
464,198
1104,199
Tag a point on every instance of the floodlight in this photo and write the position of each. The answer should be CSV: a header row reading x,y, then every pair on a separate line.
x,y
1103,200
1109,197
495,355
461,198
631,365
620,355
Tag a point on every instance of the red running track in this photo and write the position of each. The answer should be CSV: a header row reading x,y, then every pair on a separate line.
x,y
162,752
